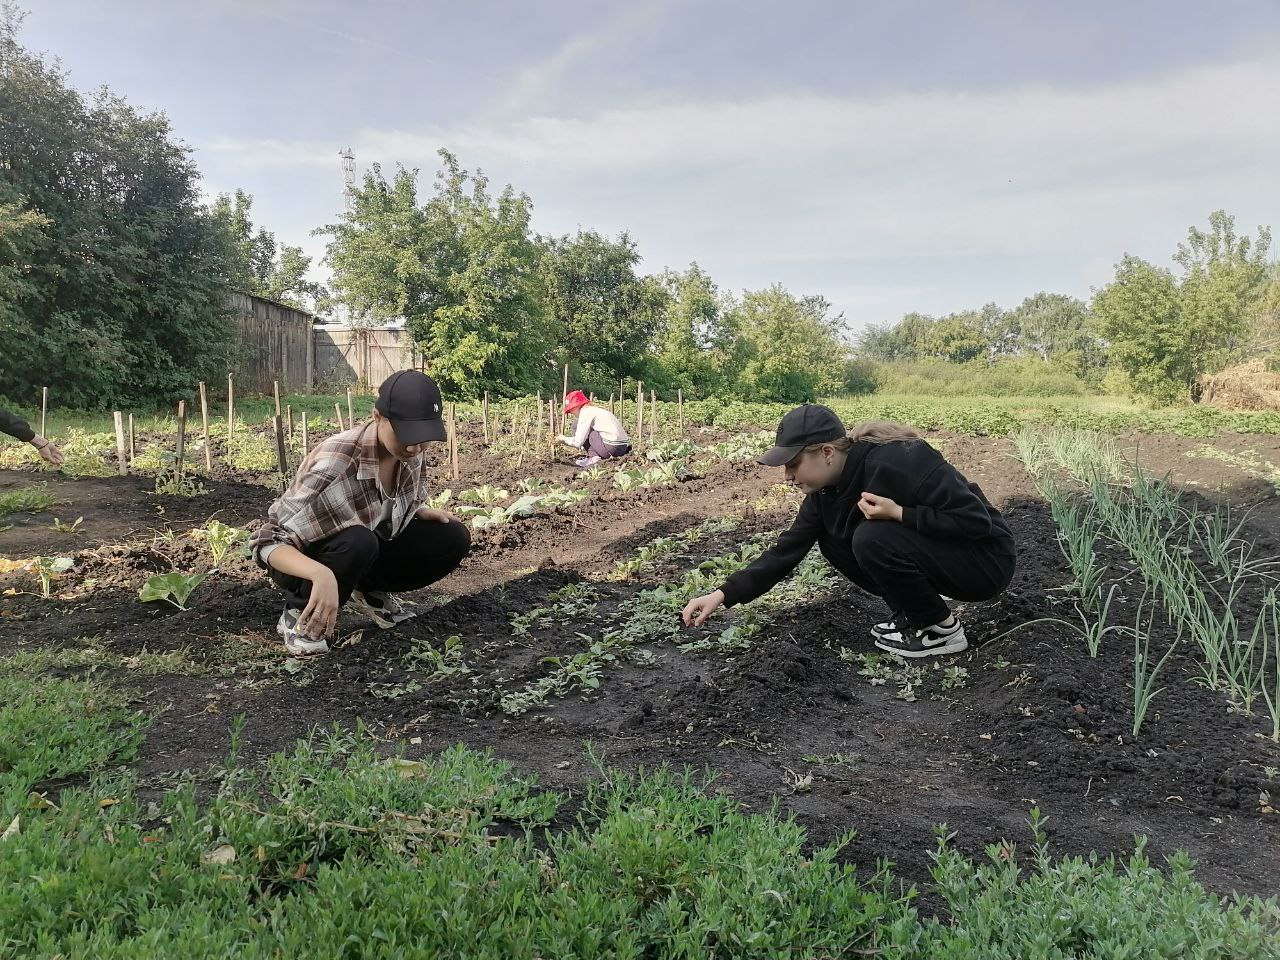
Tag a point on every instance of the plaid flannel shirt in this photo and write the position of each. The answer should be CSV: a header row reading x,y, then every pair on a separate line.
x,y
337,487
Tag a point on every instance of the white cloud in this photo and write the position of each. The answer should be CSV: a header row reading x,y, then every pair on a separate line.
x,y
802,184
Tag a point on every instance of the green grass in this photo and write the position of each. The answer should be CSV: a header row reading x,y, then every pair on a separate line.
x,y
335,851
54,729
34,499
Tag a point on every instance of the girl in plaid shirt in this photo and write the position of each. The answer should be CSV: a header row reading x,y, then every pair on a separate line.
x,y
353,529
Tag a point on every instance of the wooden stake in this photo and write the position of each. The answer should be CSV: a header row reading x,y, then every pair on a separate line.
x,y
551,430
120,452
653,419
453,438
133,450
351,412
639,411
180,458
204,426
306,439
484,416
564,398
44,412
611,409
275,392
288,420
231,414
337,409
680,411
282,460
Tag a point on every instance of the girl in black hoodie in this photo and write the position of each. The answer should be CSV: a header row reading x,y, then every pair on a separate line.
x,y
893,516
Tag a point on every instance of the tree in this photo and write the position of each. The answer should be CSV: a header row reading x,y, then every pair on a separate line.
x,y
1140,315
605,316
105,250
1165,333
692,353
258,267
461,269
1058,329
785,348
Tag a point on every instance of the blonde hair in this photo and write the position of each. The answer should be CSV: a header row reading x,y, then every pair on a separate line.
x,y
871,431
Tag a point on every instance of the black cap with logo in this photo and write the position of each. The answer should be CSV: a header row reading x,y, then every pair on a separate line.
x,y
411,401
811,423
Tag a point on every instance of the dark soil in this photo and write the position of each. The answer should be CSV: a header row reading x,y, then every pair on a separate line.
x,y
1037,722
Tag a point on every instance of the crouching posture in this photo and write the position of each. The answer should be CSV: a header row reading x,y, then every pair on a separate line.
x,y
891,514
352,529
597,431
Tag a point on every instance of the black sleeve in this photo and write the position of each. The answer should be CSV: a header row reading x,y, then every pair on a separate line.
x,y
15,426
766,570
947,506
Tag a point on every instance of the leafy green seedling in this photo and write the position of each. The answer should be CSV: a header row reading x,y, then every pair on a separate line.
x,y
487,494
60,527
220,537
47,569
175,587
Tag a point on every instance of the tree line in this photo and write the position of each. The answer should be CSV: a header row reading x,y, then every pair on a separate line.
x,y
114,280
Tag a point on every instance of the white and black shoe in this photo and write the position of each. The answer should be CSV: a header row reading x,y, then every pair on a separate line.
x,y
941,638
885,628
297,642
382,608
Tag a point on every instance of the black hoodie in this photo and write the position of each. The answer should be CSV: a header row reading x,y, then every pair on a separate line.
x,y
935,497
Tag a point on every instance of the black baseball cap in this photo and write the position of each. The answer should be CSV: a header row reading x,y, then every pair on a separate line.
x,y
411,401
811,423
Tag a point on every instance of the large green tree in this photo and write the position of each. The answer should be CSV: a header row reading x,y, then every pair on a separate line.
x,y
785,348
606,317
461,269
693,346
1165,332
114,278
262,267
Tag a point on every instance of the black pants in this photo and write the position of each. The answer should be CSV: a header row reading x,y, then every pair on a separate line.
x,y
426,551
911,570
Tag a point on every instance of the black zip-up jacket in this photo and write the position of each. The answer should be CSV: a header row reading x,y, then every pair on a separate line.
x,y
15,426
935,498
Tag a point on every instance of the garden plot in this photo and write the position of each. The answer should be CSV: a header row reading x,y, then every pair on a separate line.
x,y
561,630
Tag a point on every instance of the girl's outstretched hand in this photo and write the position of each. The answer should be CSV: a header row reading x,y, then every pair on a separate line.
x,y
698,609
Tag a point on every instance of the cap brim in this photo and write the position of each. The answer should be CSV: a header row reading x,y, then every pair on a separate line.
x,y
410,432
777,456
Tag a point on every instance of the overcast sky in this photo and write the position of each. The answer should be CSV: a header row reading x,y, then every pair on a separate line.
x,y
890,156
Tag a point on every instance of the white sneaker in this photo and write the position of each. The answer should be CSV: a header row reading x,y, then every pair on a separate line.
x,y
382,608
929,642
586,462
295,641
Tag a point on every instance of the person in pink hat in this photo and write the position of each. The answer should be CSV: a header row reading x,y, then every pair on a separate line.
x,y
598,431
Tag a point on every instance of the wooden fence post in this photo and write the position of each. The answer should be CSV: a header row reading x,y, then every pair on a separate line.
x,y
231,414
120,451
182,441
639,411
204,424
282,459
453,439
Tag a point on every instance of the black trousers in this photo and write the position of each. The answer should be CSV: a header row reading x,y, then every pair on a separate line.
x,y
911,571
426,551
